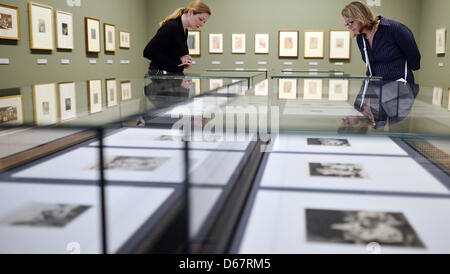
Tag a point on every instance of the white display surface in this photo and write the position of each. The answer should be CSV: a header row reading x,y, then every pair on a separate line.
x,y
277,222
201,200
197,107
393,174
127,209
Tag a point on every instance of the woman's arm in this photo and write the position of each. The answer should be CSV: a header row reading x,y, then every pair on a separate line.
x,y
404,38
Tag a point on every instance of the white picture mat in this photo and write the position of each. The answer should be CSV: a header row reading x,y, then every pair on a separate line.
x,y
308,89
311,52
110,46
277,225
42,40
235,48
259,47
14,31
64,41
125,39
16,101
282,92
337,52
437,96
333,94
67,91
127,209
125,90
95,87
262,88
93,44
111,84
440,34
45,93
212,47
290,52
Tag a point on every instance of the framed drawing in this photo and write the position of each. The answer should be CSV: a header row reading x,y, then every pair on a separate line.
x,y
440,40
64,29
194,42
216,43
110,37
262,88
41,26
124,40
448,100
262,43
9,22
340,44
196,87
288,43
437,96
111,92
125,90
215,83
238,43
44,98
313,44
338,90
92,35
95,95
11,110
67,101
287,89
312,89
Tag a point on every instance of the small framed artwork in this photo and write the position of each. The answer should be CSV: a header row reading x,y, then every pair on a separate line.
x,y
313,44
95,95
287,89
338,90
262,88
215,83
110,37
437,96
262,43
194,42
64,29
125,90
92,35
9,22
124,40
41,26
312,89
111,93
238,43
288,43
216,43
448,100
196,87
340,44
67,101
44,98
440,40
11,110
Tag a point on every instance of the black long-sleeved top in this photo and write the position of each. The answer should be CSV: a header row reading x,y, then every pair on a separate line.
x,y
393,43
167,46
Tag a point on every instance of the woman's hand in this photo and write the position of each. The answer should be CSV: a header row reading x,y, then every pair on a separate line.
x,y
186,61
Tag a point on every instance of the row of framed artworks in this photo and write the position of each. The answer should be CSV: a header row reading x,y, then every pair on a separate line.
x,y
438,97
41,29
288,43
338,90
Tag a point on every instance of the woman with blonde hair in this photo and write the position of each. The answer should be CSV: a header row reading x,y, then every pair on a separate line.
x,y
168,49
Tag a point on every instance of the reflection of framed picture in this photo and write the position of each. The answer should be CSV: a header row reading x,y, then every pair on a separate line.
x,y
312,89
125,90
92,34
287,89
216,43
238,43
41,26
440,40
95,95
262,88
9,22
338,90
64,29
110,37
196,87
262,43
215,83
44,98
437,96
111,93
288,43
11,110
67,101
194,43
124,40
340,44
313,44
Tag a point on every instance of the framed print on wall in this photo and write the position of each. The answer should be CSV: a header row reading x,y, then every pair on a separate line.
x,y
437,96
216,43
67,101
125,90
124,40
64,29
44,98
287,89
111,92
11,110
194,42
340,44
215,83
313,44
41,26
95,95
238,43
440,40
288,43
262,43
312,89
92,32
262,88
110,37
338,90
9,22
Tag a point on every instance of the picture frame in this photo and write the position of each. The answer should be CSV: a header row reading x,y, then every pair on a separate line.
x,y
196,86
44,98
448,100
92,33
262,88
287,89
9,22
111,93
440,40
312,89
125,90
64,29
67,101
11,110
261,43
110,37
94,96
437,96
238,43
124,39
194,42
338,90
288,43
216,43
340,44
313,44
215,84
41,26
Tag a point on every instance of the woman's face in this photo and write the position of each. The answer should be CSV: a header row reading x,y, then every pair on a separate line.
x,y
353,25
197,21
